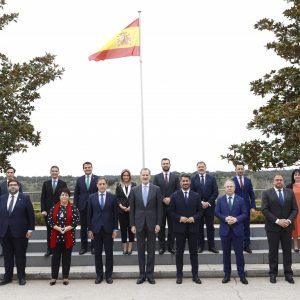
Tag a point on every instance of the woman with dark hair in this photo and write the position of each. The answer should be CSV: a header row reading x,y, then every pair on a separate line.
x,y
62,218
123,191
295,186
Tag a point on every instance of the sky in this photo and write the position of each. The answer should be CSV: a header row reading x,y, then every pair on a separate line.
x,y
198,58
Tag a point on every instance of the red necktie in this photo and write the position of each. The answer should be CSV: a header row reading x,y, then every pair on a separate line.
x,y
241,182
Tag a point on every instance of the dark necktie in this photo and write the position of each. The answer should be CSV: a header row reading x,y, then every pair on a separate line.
x,y
241,182
102,200
53,186
202,180
186,199
280,197
166,179
10,207
230,202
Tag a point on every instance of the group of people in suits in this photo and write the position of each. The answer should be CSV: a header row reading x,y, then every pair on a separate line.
x,y
186,203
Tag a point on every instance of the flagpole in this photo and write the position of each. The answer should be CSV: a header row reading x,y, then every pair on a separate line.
x,y
142,101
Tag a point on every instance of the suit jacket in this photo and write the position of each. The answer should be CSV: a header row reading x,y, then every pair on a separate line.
x,y
172,187
246,193
81,193
178,209
4,188
273,210
210,191
48,198
106,218
21,219
238,210
122,198
151,215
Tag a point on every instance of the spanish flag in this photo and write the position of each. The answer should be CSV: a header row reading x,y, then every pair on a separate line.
x,y
125,43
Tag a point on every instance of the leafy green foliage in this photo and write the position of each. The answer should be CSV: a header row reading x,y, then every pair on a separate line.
x,y
279,119
19,84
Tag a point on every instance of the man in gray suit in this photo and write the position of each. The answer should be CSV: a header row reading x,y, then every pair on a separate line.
x,y
145,219
279,207
168,183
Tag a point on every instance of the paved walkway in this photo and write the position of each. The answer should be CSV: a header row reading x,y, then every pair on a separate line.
x,y
127,289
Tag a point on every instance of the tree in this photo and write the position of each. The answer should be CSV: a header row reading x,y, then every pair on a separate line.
x,y
19,84
279,119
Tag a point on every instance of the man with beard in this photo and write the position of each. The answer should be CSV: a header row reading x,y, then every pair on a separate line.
x,y
168,183
186,210
279,206
16,225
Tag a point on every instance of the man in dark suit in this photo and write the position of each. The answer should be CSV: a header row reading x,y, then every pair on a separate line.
x,y
279,207
103,227
186,210
50,196
10,174
206,186
244,189
16,225
85,186
145,219
168,183
231,210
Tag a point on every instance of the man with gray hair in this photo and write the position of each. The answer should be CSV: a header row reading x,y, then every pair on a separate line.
x,y
145,219
231,211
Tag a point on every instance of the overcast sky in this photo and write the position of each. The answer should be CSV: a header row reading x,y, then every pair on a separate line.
x,y
198,60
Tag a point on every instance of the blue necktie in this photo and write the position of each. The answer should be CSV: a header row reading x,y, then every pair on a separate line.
x,y
102,201
230,202
145,195
280,197
186,199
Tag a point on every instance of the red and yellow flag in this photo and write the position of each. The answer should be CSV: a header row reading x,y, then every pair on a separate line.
x,y
125,43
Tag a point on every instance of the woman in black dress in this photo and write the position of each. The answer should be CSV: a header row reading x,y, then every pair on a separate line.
x,y
62,218
123,190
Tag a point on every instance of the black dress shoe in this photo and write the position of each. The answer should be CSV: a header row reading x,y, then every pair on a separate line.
x,y
5,281
22,281
52,282
93,251
82,251
171,250
151,280
179,280
98,279
162,251
272,278
65,281
295,250
243,280
48,253
200,249
226,279
248,250
129,252
197,280
109,280
213,249
140,280
290,279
